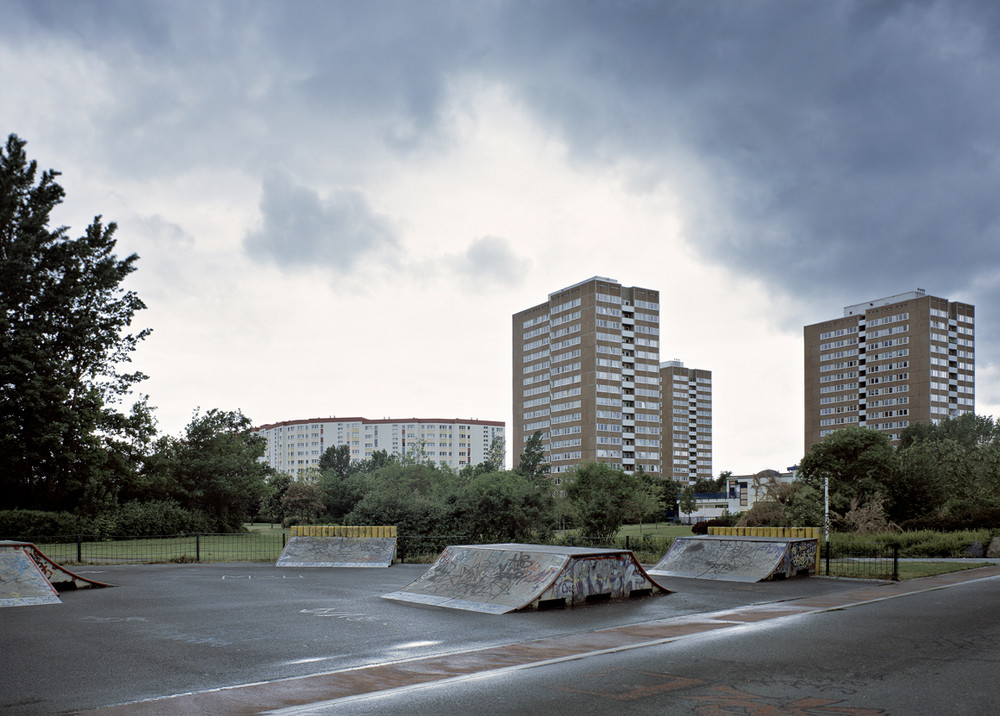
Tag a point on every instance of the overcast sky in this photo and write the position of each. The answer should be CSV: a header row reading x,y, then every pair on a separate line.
x,y
339,205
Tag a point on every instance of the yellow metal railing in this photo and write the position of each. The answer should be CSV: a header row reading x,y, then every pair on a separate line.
x,y
343,530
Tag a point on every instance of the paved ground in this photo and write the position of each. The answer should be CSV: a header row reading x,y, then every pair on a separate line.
x,y
305,636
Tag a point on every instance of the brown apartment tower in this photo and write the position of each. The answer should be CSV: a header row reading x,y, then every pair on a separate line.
x,y
888,363
586,374
687,422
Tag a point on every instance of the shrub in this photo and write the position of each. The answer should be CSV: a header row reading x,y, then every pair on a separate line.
x,y
27,524
159,517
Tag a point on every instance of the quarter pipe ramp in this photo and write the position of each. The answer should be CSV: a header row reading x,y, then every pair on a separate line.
x,y
501,578
738,558
28,577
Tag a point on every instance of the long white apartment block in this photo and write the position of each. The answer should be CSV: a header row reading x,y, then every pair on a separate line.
x,y
295,445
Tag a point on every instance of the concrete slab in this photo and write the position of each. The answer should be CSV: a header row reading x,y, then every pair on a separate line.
x,y
338,552
738,559
501,578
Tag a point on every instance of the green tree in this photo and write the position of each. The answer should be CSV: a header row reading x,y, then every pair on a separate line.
x,y
859,463
951,467
336,458
302,502
64,337
604,497
215,468
271,508
532,461
687,503
495,459
412,496
502,507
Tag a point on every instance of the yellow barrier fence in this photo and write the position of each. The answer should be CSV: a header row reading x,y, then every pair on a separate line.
x,y
793,532
343,531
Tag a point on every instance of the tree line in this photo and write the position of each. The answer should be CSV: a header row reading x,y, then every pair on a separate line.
x,y
483,502
943,475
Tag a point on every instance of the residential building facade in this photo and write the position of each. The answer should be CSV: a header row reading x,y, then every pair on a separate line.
x,y
586,374
888,363
686,401
296,445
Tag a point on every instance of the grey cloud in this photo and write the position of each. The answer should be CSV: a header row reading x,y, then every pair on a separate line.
x,y
836,150
301,228
491,258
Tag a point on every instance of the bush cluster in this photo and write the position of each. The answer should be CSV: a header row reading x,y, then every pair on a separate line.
x,y
21,524
132,519
701,528
971,519
925,543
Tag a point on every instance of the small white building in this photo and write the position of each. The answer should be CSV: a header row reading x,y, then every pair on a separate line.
x,y
744,491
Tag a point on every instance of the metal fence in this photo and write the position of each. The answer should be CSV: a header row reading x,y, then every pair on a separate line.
x,y
872,560
261,546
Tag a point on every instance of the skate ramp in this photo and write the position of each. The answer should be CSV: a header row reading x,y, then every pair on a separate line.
x,y
28,577
22,583
501,578
738,558
338,552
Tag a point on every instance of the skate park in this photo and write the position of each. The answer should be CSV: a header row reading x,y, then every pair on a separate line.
x,y
257,638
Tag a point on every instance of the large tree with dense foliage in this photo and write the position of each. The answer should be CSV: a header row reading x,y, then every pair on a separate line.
x,y
949,467
859,463
502,507
604,497
215,469
63,340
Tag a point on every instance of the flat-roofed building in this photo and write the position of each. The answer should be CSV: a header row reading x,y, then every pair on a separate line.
x,y
686,404
296,445
888,363
586,374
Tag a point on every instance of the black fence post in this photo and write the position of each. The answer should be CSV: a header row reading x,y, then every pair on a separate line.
x,y
197,548
626,541
827,545
895,561
79,549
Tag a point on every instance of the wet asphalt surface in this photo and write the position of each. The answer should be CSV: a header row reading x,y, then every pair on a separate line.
x,y
170,629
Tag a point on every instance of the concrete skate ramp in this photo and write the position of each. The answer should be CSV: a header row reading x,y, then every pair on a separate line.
x,y
22,565
501,578
338,552
22,583
738,559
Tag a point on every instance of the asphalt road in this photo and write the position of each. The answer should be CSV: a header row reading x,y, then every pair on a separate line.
x,y
211,630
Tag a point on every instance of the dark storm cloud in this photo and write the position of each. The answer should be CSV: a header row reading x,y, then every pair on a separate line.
x,y
838,151
299,228
842,149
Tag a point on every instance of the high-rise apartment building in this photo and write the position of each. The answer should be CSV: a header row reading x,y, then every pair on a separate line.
x,y
586,374
889,363
686,395
296,445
